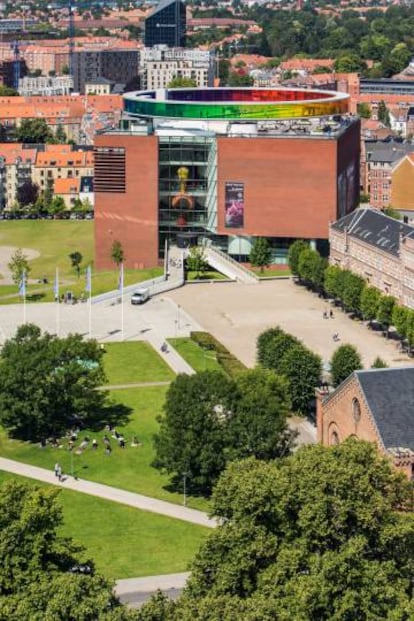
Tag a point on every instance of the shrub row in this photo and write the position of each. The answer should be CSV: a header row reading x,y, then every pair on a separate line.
x,y
229,363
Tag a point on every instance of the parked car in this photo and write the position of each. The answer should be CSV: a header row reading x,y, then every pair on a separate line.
x,y
140,296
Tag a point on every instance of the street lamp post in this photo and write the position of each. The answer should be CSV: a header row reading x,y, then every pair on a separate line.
x,y
185,475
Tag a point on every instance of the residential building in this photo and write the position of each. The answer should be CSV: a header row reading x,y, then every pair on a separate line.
x,y
376,405
160,64
45,86
115,65
380,158
166,24
98,86
377,247
402,187
55,164
221,165
7,71
80,117
16,167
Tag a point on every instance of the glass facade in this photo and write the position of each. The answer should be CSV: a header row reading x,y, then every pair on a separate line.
x,y
166,25
183,186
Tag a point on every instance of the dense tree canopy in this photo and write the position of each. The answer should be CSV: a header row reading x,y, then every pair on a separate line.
x,y
34,131
320,536
210,419
48,383
38,581
287,356
345,360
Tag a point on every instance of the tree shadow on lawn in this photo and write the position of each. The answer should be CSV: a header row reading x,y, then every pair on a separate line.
x,y
113,414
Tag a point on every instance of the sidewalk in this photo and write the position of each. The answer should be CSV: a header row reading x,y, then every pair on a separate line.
x,y
110,493
151,583
171,356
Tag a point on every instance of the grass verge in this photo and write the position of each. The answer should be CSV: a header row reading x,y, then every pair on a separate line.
x,y
199,359
122,541
132,362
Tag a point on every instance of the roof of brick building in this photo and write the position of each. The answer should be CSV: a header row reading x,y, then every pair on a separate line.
x,y
67,186
389,394
374,228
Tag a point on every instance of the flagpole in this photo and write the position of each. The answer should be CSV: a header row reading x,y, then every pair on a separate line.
x,y
122,301
24,305
57,302
90,303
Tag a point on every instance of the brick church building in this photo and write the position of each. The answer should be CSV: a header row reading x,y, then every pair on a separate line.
x,y
376,405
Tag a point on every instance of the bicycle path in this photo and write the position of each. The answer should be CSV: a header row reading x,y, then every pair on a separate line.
x,y
131,499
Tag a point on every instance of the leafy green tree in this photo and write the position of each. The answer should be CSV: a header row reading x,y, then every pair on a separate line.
x,y
210,419
344,361
384,312
34,131
294,253
319,536
261,253
392,213
383,114
350,63
400,320
353,286
48,383
191,435
179,82
37,580
60,134
196,260
7,91
370,297
19,264
272,344
57,206
333,281
364,110
117,253
257,424
27,193
76,259
379,363
239,79
311,268
303,370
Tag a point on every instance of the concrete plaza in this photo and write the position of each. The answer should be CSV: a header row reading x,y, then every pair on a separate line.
x,y
236,314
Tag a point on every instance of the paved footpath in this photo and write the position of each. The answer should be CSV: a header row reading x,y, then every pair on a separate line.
x,y
110,493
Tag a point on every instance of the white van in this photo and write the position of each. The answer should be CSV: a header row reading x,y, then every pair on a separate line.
x,y
140,296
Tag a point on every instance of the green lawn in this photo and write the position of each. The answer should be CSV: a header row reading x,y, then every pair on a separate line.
x,y
132,362
198,358
128,468
56,240
122,541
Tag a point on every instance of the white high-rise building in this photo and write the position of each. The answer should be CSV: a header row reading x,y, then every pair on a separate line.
x,y
161,64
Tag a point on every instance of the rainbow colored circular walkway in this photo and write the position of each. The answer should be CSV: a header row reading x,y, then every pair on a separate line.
x,y
233,104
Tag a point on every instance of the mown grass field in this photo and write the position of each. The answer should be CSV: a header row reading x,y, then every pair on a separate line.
x,y
198,358
134,362
122,541
129,468
55,240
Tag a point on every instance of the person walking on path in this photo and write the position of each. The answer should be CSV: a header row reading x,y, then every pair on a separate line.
x,y
57,467
59,472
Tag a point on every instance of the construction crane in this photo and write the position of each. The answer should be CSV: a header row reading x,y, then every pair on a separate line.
x,y
16,63
71,35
